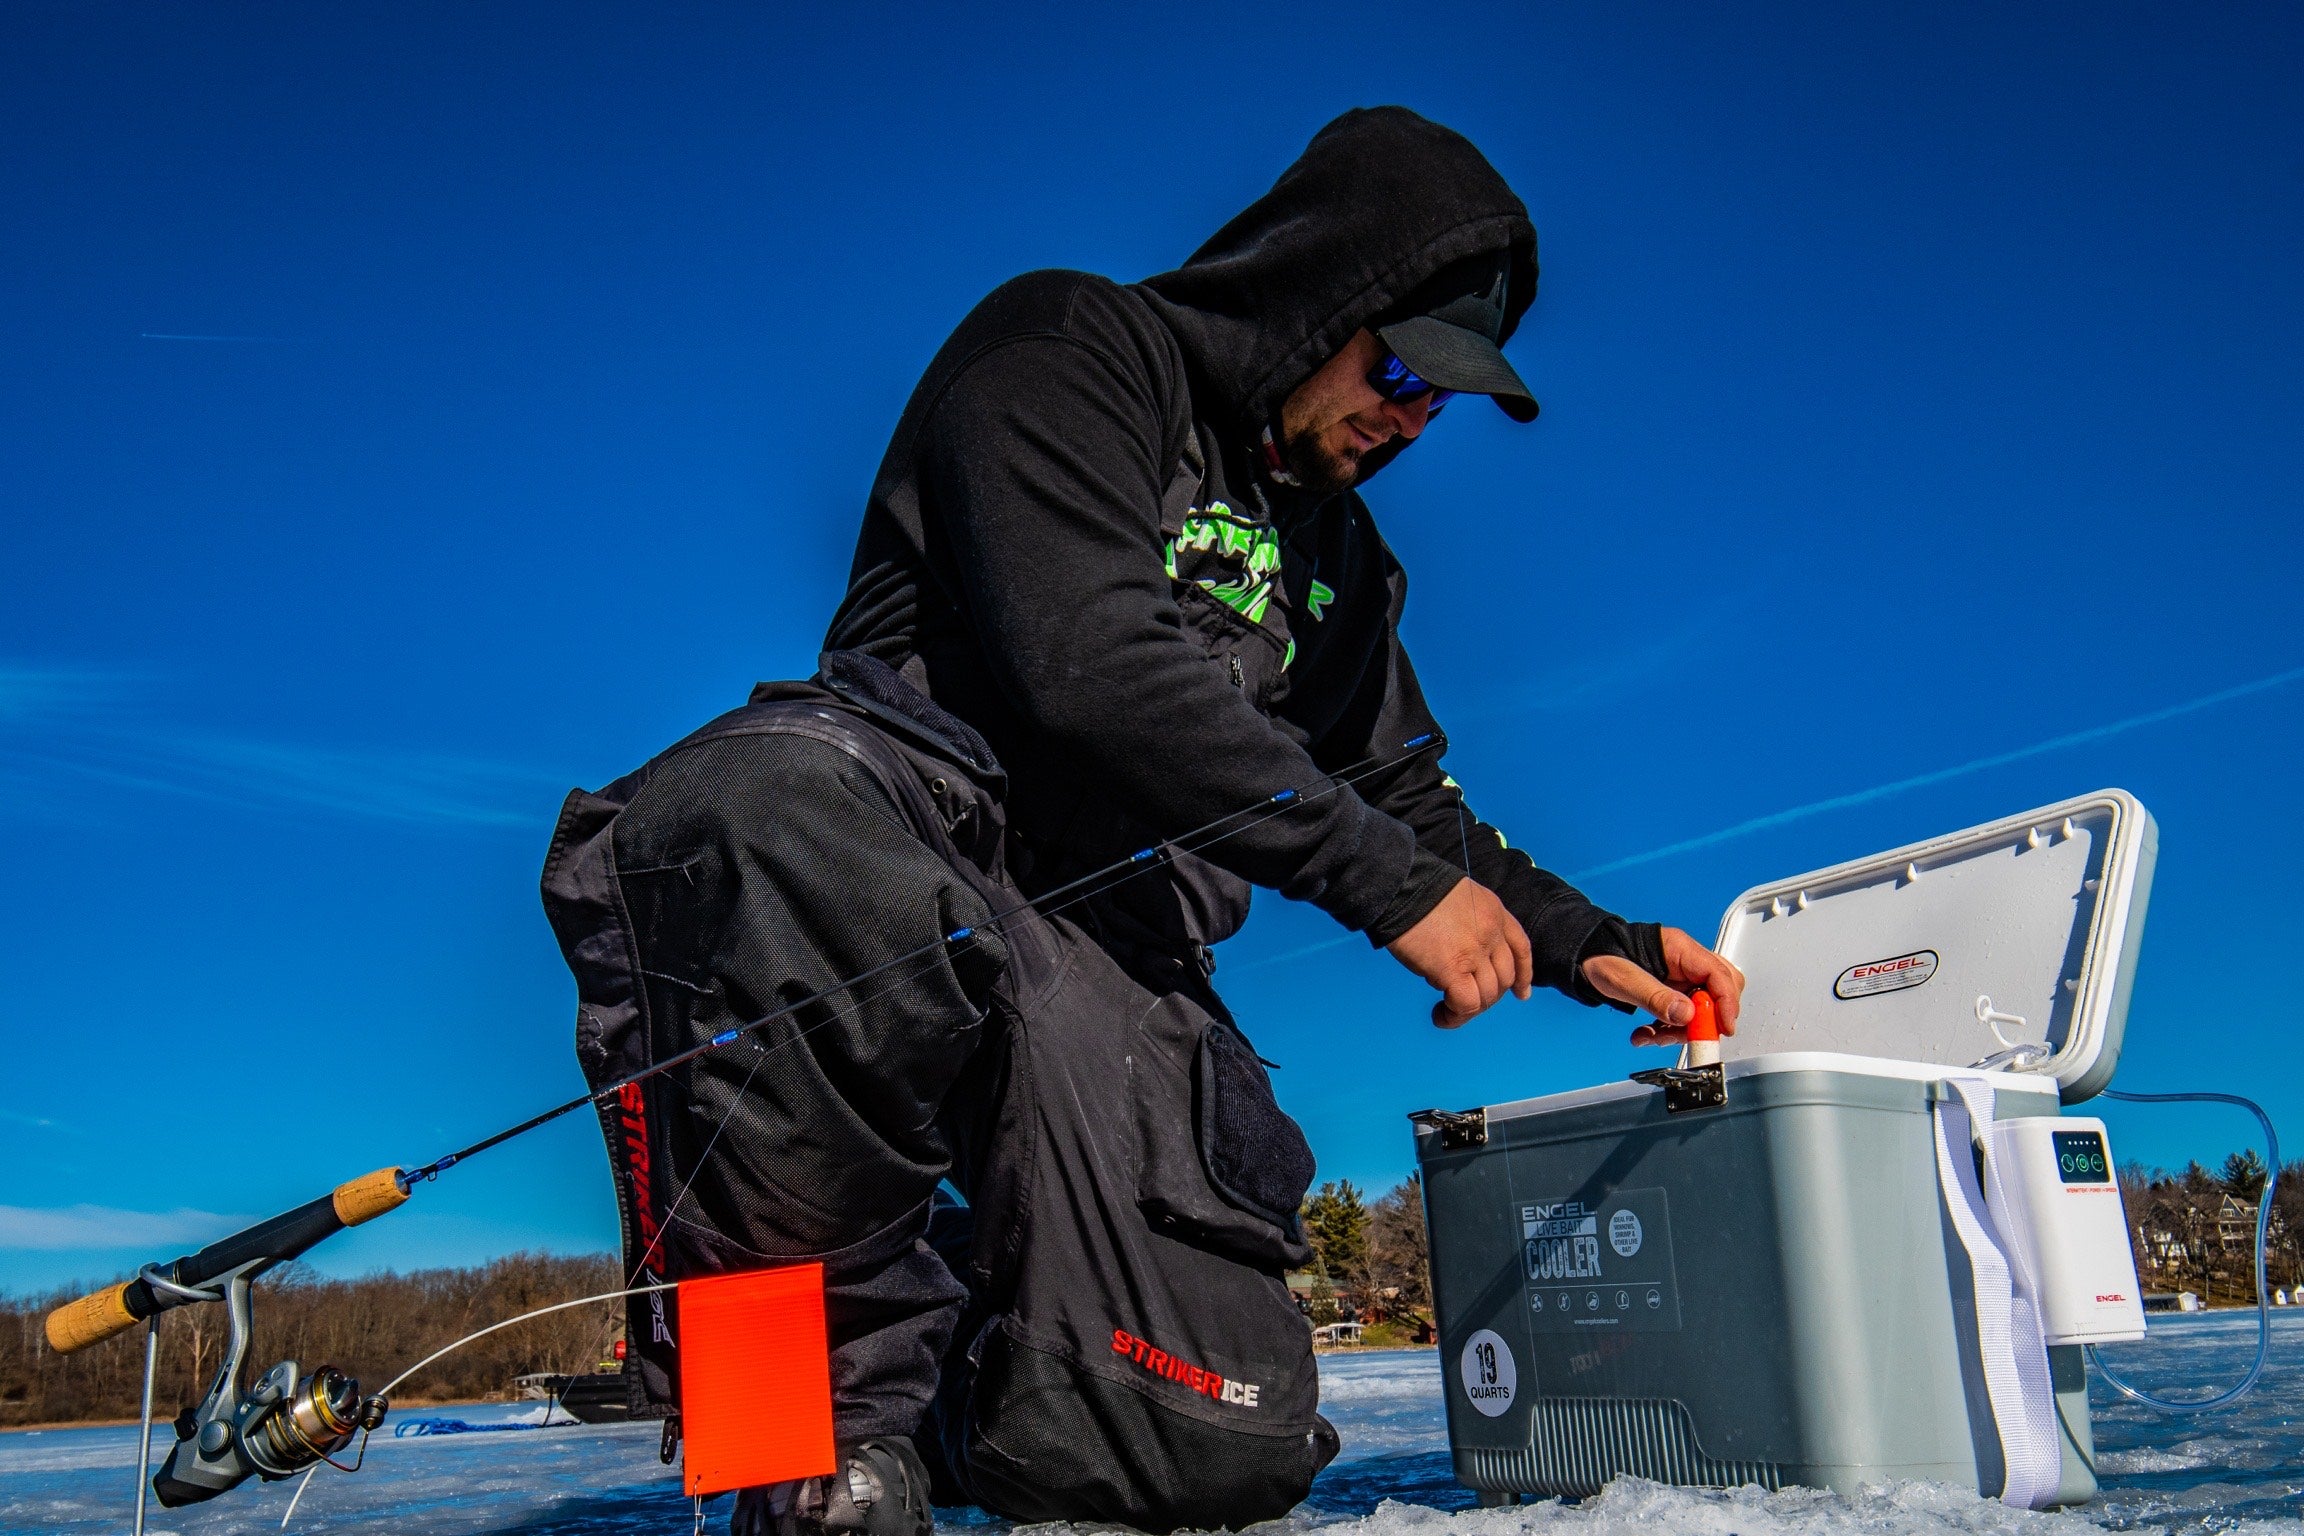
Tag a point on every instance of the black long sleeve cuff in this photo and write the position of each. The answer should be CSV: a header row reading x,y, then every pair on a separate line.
x,y
1640,943
1430,879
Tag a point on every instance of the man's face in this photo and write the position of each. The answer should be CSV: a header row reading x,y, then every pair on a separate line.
x,y
1334,419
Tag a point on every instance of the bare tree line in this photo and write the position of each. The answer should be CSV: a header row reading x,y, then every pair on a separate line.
x,y
374,1328
2196,1231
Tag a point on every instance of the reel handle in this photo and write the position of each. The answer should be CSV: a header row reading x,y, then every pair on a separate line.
x,y
116,1308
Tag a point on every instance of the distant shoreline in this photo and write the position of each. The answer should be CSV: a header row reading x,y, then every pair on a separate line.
x,y
160,1421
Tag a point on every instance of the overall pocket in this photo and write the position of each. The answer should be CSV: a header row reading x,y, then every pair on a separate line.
x,y
1253,655
1255,1154
1221,1165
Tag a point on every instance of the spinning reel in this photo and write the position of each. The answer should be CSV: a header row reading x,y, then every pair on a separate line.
x,y
286,1421
275,1429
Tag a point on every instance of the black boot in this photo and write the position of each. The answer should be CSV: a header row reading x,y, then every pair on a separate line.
x,y
880,1490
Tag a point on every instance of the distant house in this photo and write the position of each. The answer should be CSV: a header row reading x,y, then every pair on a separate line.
x,y
2172,1301
1304,1287
2235,1224
2163,1233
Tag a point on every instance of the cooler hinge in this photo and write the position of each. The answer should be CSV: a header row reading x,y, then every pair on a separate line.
x,y
1687,1088
1458,1128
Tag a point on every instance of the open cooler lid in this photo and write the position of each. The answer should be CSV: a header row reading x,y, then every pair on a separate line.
x,y
2022,931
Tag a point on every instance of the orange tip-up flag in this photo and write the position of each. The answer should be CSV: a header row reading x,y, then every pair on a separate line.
x,y
755,1379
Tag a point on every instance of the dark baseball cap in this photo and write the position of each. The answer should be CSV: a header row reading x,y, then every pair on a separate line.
x,y
1447,331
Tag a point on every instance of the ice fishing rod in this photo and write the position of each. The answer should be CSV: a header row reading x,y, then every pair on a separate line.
x,y
1123,869
104,1313
286,1422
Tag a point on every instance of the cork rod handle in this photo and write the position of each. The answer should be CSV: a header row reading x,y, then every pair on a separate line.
x,y
368,1196
92,1319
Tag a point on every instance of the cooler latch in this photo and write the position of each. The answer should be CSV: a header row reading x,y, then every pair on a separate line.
x,y
1687,1088
1458,1128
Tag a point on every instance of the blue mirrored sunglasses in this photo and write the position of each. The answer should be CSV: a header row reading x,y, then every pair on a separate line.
x,y
1396,381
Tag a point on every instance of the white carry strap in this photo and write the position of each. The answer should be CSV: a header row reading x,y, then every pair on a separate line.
x,y
2015,1356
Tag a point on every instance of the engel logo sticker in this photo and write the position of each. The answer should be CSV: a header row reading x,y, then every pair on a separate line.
x,y
1891,975
1488,1372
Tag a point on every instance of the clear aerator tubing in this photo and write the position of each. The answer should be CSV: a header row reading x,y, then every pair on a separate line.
x,y
2263,1295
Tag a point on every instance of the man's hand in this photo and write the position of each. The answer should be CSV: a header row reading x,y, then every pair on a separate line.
x,y
1691,966
1471,949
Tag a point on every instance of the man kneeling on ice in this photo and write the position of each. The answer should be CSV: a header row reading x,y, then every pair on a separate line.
x,y
1115,591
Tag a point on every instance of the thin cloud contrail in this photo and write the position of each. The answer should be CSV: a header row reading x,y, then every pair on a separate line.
x,y
1940,775
1867,796
180,336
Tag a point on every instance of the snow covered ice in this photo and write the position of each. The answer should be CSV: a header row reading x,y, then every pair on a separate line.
x,y
2240,1469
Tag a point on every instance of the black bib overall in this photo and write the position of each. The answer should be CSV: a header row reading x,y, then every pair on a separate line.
x,y
1102,1332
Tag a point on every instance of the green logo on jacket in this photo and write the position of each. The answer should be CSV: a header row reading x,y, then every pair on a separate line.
x,y
1250,548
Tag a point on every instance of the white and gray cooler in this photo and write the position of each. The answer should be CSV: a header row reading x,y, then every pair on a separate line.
x,y
1785,1273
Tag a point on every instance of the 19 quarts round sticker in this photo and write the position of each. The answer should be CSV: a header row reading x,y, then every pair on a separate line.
x,y
1488,1373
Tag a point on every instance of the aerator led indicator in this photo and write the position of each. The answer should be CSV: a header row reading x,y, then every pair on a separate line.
x,y
2080,1158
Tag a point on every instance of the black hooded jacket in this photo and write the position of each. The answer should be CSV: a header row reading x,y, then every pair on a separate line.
x,y
1073,546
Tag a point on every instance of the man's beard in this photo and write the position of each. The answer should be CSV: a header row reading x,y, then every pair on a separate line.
x,y
1316,469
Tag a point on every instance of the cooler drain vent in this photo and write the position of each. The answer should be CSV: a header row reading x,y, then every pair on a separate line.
x,y
1579,1443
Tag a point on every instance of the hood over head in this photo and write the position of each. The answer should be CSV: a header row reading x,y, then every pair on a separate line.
x,y
1378,203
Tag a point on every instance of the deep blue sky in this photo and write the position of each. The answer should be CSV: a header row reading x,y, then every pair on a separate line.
x,y
1919,385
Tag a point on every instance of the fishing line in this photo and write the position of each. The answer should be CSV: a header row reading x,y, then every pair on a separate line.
x,y
1114,874
1463,823
854,1007
558,1306
705,1156
2263,1296
1125,870
333,1211
393,1385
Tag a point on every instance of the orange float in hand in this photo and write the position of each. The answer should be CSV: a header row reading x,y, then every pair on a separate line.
x,y
1703,1030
